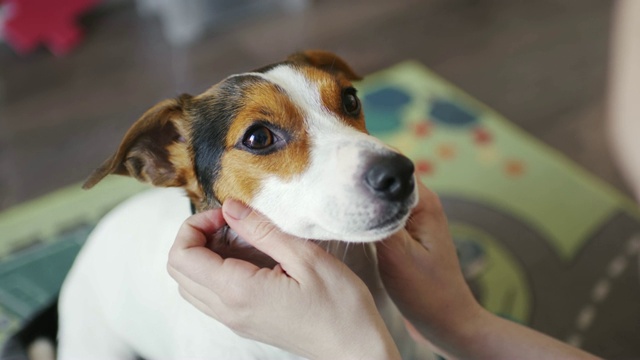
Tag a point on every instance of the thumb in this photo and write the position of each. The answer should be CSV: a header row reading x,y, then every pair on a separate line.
x,y
289,251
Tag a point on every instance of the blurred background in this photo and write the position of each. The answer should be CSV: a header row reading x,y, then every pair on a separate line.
x,y
540,240
542,64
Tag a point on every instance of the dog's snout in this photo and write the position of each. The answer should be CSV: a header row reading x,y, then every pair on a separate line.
x,y
391,177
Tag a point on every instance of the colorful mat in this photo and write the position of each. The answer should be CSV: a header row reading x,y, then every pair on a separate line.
x,y
541,241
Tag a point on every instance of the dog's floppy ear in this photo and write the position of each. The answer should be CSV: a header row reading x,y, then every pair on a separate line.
x,y
326,61
150,147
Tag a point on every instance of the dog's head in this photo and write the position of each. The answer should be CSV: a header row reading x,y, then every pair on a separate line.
x,y
288,139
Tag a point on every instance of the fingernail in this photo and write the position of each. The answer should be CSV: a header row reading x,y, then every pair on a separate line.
x,y
236,209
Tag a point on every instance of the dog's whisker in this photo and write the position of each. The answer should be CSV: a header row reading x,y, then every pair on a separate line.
x,y
345,252
366,253
384,244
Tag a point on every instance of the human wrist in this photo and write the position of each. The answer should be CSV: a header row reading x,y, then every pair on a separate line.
x,y
453,328
366,341
460,339
377,345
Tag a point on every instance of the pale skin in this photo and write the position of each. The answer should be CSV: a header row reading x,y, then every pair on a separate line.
x,y
419,268
624,89
255,302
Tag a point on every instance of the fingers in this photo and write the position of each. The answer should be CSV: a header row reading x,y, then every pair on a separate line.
x,y
188,253
197,295
291,252
196,226
426,229
192,238
427,220
224,306
429,207
190,258
204,308
393,251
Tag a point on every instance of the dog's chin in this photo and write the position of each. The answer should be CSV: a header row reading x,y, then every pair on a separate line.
x,y
390,219
382,228
380,232
373,235
375,232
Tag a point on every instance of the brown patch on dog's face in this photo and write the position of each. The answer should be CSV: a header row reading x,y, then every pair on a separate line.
x,y
243,169
180,157
332,90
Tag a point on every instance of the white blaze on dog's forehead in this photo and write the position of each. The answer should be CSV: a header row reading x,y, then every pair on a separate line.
x,y
325,127
304,93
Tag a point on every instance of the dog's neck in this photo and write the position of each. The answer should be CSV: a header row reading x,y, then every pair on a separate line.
x,y
361,258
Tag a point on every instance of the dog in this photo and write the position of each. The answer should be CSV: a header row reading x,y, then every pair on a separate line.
x,y
289,140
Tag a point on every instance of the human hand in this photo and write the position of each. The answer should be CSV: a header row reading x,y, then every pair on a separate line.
x,y
310,303
420,270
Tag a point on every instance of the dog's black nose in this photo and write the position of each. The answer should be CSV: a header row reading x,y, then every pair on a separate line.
x,y
391,177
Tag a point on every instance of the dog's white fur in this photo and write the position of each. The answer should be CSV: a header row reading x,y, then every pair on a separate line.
x,y
118,300
326,201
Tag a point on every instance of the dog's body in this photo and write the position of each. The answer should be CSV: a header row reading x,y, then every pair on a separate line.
x,y
289,140
134,307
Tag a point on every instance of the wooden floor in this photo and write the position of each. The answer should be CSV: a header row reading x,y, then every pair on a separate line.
x,y
542,64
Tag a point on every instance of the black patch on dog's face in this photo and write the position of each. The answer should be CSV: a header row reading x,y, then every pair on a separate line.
x,y
212,117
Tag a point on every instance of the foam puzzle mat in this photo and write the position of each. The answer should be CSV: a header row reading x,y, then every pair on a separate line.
x,y
541,241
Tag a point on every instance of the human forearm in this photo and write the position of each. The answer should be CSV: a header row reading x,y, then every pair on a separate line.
x,y
491,337
370,344
422,274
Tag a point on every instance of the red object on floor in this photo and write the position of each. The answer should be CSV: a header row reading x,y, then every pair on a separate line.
x,y
424,167
52,23
481,136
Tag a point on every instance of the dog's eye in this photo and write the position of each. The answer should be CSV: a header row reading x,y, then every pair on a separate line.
x,y
350,102
257,138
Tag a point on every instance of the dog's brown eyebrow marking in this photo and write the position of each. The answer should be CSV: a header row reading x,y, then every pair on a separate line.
x,y
330,87
265,111
242,172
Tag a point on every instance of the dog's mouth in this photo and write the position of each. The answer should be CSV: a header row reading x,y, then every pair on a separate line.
x,y
391,217
394,222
